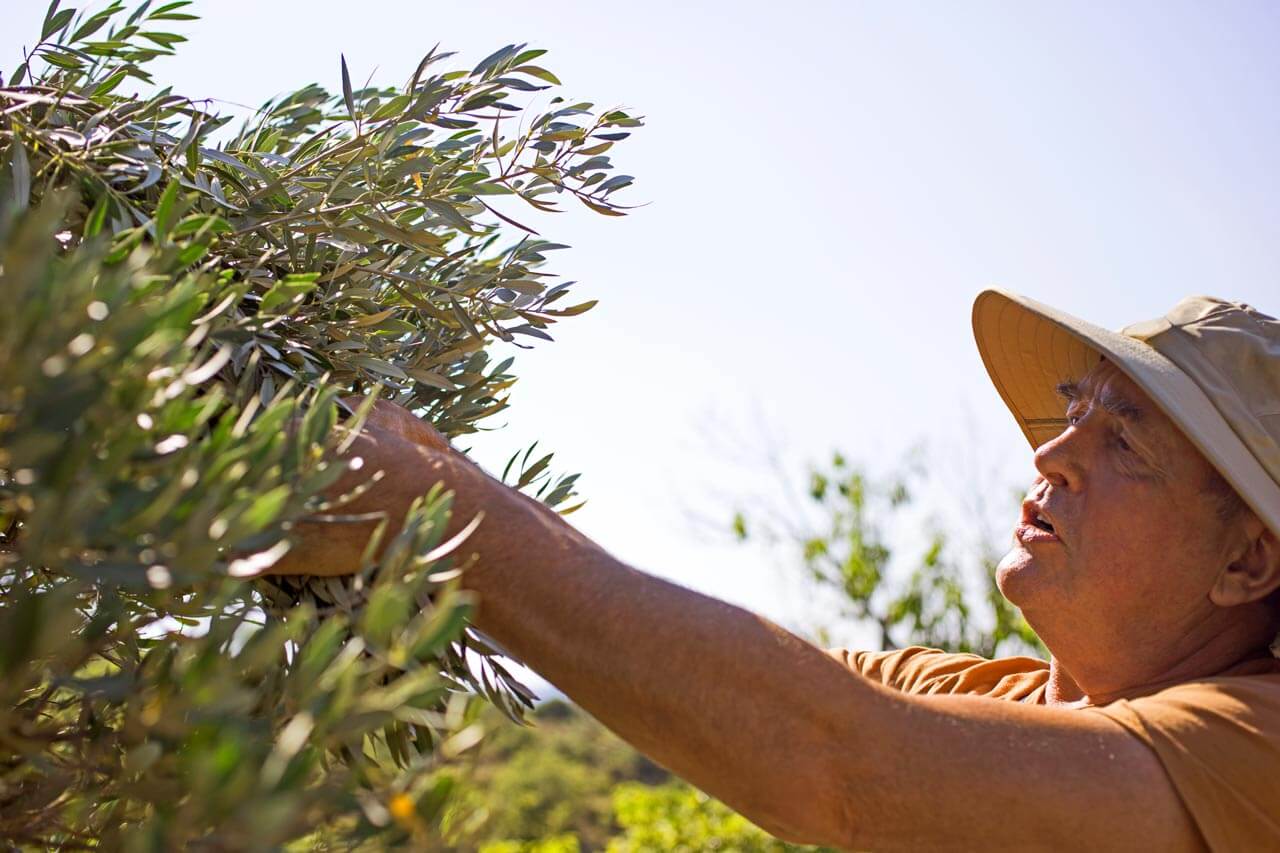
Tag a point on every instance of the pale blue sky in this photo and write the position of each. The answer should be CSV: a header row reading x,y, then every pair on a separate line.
x,y
829,186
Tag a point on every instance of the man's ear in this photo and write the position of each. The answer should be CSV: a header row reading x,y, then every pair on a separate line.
x,y
1255,572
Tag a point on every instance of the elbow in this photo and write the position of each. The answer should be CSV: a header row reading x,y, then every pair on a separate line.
x,y
831,838
835,829
812,832
821,815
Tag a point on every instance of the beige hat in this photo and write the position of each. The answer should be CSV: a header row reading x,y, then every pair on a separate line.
x,y
1213,366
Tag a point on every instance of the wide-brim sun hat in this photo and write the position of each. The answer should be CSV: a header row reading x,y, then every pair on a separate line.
x,y
1211,365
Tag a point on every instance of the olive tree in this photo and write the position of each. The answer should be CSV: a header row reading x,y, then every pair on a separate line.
x,y
182,304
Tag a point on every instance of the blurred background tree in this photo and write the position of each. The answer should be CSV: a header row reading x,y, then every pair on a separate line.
x,y
890,567
567,784
551,780
182,306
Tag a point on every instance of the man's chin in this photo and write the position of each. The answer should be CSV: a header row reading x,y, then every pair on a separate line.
x,y
1019,575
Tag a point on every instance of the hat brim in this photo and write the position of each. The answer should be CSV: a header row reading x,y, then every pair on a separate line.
x,y
1029,349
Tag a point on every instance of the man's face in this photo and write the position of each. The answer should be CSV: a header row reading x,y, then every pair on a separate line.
x,y
1117,540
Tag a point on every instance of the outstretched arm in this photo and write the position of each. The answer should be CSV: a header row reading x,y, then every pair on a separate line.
x,y
756,716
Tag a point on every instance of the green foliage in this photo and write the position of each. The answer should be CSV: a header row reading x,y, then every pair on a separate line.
x,y
842,544
178,320
552,844
551,779
682,819
568,784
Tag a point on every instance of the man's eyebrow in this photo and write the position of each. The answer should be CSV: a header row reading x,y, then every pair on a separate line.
x,y
1122,407
1113,403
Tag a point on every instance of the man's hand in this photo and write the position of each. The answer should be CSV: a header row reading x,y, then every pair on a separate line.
x,y
400,422
392,460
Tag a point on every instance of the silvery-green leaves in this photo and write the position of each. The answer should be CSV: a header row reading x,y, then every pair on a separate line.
x,y
408,206
183,303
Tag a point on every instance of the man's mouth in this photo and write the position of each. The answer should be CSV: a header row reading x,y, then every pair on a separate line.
x,y
1036,525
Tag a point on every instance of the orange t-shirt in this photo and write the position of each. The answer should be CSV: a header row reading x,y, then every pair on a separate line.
x,y
1218,738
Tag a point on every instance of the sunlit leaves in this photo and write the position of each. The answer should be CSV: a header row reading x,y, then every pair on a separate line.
x,y
183,304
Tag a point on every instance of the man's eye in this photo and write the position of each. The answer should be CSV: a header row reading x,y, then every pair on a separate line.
x,y
1121,443
1072,420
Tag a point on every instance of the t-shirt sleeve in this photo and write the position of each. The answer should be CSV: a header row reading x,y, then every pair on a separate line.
x,y
1219,741
918,669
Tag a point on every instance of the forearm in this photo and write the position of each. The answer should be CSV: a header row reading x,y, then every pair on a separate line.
x,y
726,699
740,707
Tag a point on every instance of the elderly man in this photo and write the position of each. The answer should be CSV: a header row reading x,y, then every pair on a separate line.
x,y
1147,557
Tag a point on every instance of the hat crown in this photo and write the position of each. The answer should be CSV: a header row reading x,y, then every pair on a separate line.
x,y
1232,351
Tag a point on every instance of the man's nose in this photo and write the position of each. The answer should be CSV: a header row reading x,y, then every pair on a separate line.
x,y
1059,459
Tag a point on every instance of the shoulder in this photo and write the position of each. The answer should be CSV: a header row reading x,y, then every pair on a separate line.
x,y
920,669
1218,740
1236,706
